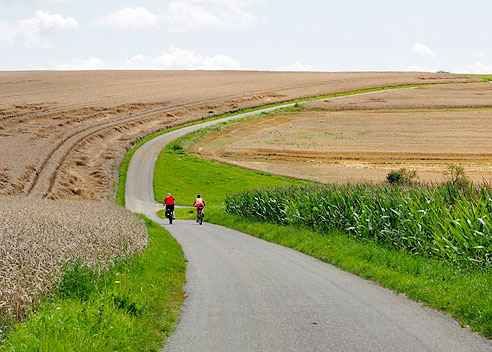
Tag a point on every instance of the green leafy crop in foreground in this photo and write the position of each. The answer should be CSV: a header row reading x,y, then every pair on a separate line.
x,y
446,222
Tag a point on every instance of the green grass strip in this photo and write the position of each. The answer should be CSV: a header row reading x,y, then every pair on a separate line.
x,y
463,294
180,213
185,176
132,307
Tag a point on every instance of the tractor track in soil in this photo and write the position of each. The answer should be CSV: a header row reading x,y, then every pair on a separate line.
x,y
44,172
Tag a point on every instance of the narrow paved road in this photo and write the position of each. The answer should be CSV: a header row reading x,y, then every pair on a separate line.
x,y
246,294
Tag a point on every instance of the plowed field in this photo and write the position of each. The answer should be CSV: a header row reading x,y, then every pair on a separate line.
x,y
362,138
62,134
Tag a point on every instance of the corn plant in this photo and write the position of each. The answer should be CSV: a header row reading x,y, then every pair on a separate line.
x,y
447,221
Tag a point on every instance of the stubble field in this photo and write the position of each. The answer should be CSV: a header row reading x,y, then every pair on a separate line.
x,y
63,135
362,138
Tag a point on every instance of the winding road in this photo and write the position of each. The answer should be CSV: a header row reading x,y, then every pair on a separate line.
x,y
246,294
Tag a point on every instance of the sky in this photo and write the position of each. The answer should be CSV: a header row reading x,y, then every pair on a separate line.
x,y
279,35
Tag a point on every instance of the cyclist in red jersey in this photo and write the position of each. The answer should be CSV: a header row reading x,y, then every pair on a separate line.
x,y
169,203
199,202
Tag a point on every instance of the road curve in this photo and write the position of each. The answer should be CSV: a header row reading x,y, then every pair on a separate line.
x,y
246,294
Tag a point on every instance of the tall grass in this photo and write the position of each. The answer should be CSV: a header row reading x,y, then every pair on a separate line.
x,y
445,221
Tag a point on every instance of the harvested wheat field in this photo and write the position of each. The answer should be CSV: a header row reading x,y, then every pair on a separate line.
x,y
62,134
362,138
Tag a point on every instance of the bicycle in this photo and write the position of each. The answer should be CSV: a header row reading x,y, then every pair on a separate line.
x,y
169,215
200,214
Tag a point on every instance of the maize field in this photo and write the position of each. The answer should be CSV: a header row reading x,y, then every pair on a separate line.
x,y
38,236
443,221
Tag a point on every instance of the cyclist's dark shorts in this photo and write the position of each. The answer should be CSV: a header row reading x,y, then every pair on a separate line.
x,y
170,207
200,207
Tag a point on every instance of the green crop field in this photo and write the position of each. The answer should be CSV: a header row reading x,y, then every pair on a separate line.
x,y
447,222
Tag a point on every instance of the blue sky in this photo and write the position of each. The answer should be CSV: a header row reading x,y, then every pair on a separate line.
x,y
350,35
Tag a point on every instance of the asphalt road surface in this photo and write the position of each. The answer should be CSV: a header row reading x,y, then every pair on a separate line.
x,y
246,294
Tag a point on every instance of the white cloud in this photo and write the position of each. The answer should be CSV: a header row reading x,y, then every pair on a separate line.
x,y
32,30
174,59
422,49
182,59
479,54
130,17
195,14
184,15
298,66
477,68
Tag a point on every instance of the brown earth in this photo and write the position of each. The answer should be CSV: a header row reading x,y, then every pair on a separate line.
x,y
63,134
362,138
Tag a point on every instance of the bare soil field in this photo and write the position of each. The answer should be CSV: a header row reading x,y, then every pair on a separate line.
x,y
63,134
362,138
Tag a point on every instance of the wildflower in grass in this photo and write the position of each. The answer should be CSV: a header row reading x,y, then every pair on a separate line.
x,y
117,282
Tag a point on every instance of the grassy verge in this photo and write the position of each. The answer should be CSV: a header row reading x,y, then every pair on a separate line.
x,y
464,294
185,175
484,77
132,307
180,213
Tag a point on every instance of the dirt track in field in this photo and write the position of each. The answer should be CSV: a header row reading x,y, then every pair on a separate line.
x,y
63,134
362,138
